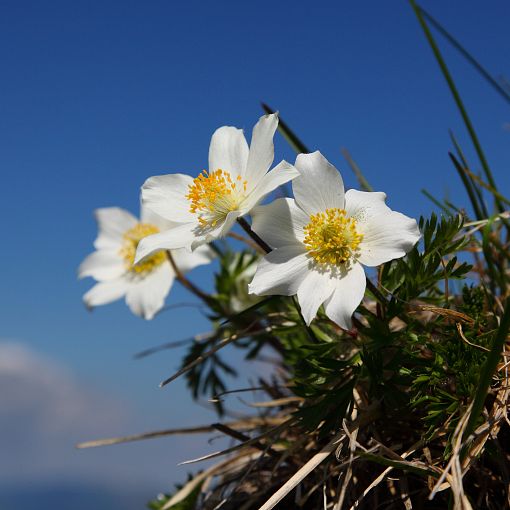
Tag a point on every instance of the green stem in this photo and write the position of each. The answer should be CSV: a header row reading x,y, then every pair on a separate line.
x,y
247,228
187,283
376,292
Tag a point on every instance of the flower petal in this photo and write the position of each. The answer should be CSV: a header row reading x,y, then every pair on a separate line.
x,y
228,151
280,272
279,223
102,265
362,205
147,296
226,226
261,154
166,196
349,291
387,234
313,291
280,174
186,260
149,216
105,292
319,186
209,235
112,223
180,236
185,235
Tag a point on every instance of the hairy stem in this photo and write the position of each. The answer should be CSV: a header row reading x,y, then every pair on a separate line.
x,y
247,228
187,283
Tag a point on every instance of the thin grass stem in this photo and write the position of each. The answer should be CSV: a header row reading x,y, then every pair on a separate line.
x,y
456,96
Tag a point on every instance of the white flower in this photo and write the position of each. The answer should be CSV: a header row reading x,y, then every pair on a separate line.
x,y
205,208
322,238
146,284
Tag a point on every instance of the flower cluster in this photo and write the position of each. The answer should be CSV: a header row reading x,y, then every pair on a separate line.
x,y
317,242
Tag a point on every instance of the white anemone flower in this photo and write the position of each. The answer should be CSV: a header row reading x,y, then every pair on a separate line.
x,y
206,207
323,237
144,285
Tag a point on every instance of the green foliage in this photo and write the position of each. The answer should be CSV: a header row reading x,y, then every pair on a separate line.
x,y
236,271
419,274
445,374
473,304
326,382
207,378
426,343
409,368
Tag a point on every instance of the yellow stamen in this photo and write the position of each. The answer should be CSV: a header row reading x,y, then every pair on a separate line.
x,y
331,237
131,238
213,195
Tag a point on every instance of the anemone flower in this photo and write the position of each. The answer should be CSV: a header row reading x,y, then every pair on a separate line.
x,y
146,284
322,239
206,207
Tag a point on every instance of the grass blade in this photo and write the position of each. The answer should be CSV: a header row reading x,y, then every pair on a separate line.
x,y
239,425
468,185
492,81
222,343
435,201
298,477
288,134
365,186
489,188
282,426
476,189
456,96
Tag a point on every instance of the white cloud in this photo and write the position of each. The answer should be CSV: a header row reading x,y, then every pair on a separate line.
x,y
43,412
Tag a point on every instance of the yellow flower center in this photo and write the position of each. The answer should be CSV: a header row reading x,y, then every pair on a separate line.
x,y
331,237
213,195
131,238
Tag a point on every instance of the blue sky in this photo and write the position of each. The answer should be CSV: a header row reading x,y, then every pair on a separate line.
x,y
97,96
